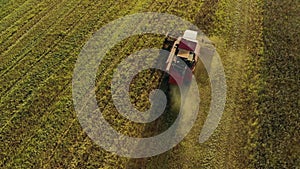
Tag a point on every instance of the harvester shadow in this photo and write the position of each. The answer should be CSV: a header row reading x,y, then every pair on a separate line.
x,y
160,125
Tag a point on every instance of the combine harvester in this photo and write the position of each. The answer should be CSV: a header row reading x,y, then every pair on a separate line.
x,y
183,57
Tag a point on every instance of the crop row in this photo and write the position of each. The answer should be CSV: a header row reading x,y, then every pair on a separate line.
x,y
117,53
28,81
7,6
48,64
14,21
11,37
32,36
38,74
105,101
36,94
30,56
277,140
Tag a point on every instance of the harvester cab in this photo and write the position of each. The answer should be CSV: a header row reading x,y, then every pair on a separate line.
x,y
184,53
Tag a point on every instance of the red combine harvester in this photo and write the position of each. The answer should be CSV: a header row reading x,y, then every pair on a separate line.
x,y
184,53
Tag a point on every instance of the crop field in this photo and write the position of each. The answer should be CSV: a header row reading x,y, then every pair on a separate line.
x,y
258,42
